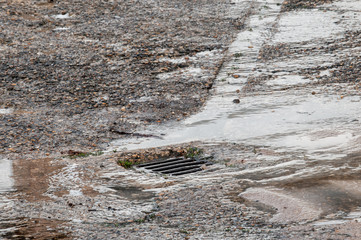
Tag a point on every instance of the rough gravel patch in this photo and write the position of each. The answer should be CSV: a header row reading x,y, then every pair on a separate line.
x,y
73,71
290,5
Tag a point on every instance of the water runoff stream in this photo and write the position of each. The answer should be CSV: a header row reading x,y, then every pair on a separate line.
x,y
279,104
275,104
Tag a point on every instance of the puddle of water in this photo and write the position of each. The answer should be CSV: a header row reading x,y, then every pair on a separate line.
x,y
319,143
330,195
309,200
133,193
282,121
6,171
289,209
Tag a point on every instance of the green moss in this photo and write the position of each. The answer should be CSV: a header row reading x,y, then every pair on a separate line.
x,y
126,163
194,152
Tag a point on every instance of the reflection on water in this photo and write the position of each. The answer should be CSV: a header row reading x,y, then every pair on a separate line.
x,y
133,193
329,195
282,109
6,182
307,190
277,120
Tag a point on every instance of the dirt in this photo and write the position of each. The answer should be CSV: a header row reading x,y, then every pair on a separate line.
x,y
291,5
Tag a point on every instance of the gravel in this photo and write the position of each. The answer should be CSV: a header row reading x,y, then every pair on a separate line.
x,y
73,71
77,75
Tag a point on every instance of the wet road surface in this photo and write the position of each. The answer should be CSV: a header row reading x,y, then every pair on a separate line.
x,y
281,104
303,129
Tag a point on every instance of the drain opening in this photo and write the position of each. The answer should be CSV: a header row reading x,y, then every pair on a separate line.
x,y
177,166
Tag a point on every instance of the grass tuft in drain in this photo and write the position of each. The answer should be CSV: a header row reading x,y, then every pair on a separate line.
x,y
130,159
164,156
194,152
76,154
126,163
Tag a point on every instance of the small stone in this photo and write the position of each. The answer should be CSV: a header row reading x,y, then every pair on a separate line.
x,y
236,100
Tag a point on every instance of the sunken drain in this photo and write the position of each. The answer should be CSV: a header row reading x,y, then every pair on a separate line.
x,y
177,166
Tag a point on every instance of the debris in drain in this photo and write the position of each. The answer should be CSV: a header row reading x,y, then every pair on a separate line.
x,y
177,166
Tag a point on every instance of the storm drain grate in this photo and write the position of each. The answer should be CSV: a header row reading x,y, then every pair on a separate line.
x,y
177,166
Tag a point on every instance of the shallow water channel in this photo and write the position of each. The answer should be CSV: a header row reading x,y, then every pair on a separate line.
x,y
274,104
311,130
288,110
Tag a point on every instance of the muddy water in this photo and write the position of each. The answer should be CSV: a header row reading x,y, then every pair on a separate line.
x,y
273,104
32,177
40,229
28,180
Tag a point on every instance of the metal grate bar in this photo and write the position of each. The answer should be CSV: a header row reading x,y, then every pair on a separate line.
x,y
180,169
187,171
170,164
179,165
165,161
